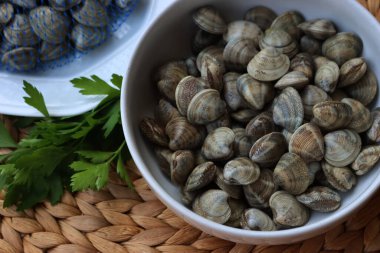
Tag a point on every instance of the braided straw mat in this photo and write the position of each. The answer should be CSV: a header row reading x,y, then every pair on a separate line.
x,y
120,220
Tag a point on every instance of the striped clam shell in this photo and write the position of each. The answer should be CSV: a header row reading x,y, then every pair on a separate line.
x,y
210,20
320,199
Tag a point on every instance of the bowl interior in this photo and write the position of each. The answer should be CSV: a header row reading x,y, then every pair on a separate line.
x,y
169,38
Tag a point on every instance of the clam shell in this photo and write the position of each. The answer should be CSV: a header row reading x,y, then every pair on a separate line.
x,y
20,59
201,176
319,61
6,13
341,178
199,158
242,29
212,71
338,95
63,5
253,92
352,71
238,53
218,144
29,4
313,168
188,198
259,192
255,219
267,150
373,133
342,47
310,45
85,37
205,107
234,191
191,64
202,40
181,165
6,46
261,15
50,51
244,115
210,20
91,13
287,135
307,142
186,89
260,125
280,40
19,32
366,160
231,94
288,109
327,76
223,121
175,70
342,147
183,135
153,132
237,210
291,174
331,115
268,65
241,171
164,157
242,143
303,62
288,21
165,112
295,79
361,116
320,29
320,199
213,205
310,96
215,52
287,211
365,89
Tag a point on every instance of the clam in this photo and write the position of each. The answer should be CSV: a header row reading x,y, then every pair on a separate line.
x,y
218,144
164,157
242,29
191,64
85,37
242,142
288,109
352,71
361,116
341,178
237,210
50,51
287,211
213,205
175,70
373,132
319,61
331,115
234,191
342,47
291,174
183,135
241,171
280,40
238,53
6,13
223,121
123,4
268,65
29,4
187,198
261,15
91,13
267,150
307,142
259,192
253,92
342,147
165,112
6,46
215,52
202,40
260,125
201,176
327,76
320,29
338,95
287,135
255,219
310,96
186,89
231,94
310,45
303,62
366,160
153,132
212,71
205,107
20,59
288,21
210,20
365,89
181,165
313,168
320,199
19,32
295,79
63,5
244,115
198,157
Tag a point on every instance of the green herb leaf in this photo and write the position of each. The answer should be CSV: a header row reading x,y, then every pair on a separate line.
x,y
35,99
121,170
96,156
6,140
94,86
113,119
89,175
117,80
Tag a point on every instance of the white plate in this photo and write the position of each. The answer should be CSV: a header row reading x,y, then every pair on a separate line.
x,y
61,98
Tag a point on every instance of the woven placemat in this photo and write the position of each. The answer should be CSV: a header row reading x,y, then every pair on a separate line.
x,y
120,220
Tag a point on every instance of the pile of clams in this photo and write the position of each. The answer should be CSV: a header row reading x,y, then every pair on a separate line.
x,y
35,31
267,121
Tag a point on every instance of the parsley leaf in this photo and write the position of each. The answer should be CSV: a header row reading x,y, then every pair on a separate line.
x,y
117,80
94,86
95,156
6,140
35,99
113,119
89,175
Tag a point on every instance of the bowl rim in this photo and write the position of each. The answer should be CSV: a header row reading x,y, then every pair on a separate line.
x,y
316,228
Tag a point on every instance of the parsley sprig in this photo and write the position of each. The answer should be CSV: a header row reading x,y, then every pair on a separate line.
x,y
74,153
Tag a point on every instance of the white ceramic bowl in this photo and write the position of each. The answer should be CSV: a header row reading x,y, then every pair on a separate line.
x,y
169,38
